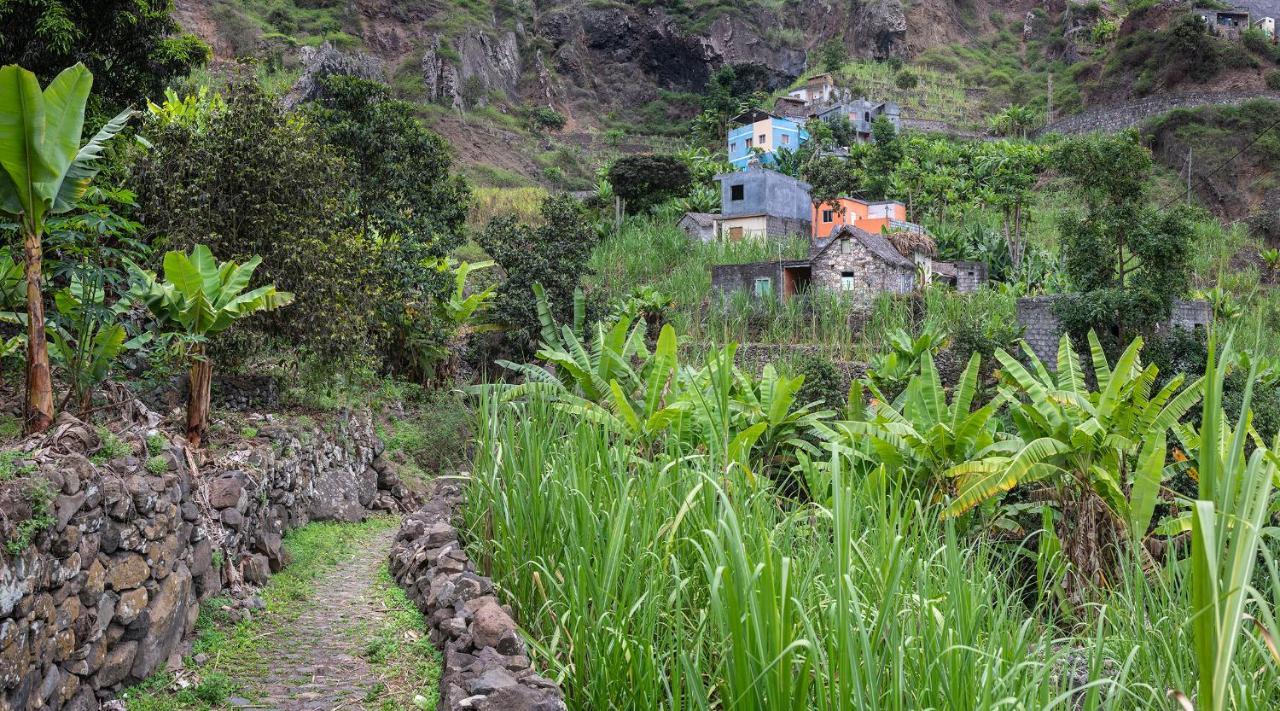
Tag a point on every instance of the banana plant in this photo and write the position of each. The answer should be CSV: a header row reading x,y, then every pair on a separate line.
x,y
889,371
924,435
770,400
200,298
641,414
1085,447
87,338
43,171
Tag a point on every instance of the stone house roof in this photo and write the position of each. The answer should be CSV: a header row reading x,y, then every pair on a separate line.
x,y
701,219
877,245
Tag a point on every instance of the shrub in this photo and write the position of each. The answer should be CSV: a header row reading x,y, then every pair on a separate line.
x,y
822,382
1273,79
647,180
906,80
157,464
548,117
553,254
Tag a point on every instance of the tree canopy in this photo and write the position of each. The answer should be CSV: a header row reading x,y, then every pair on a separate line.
x,y
133,47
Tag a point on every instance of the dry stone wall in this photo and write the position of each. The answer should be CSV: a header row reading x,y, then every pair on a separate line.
x,y
1118,117
486,665
1042,330
109,593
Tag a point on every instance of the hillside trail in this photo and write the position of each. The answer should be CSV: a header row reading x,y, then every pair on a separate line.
x,y
316,661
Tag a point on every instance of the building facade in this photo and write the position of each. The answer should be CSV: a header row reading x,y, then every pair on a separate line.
x,y
862,114
758,135
852,262
758,203
871,216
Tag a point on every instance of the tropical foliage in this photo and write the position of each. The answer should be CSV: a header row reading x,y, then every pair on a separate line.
x,y
45,171
199,298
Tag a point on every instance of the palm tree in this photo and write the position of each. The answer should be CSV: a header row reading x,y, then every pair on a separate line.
x,y
44,170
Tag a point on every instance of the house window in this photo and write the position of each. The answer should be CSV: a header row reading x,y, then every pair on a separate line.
x,y
735,234
786,139
749,144
733,146
846,281
828,215
763,139
735,192
764,287
866,115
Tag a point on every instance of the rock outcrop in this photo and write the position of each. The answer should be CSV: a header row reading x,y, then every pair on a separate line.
x,y
107,594
326,60
486,664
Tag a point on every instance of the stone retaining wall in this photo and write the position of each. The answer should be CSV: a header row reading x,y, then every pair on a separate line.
x,y
107,595
486,665
1042,330
1113,118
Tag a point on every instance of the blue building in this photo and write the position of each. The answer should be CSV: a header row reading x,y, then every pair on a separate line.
x,y
761,133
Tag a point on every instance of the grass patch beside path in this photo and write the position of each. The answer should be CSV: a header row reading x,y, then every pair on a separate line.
x,y
238,651
408,664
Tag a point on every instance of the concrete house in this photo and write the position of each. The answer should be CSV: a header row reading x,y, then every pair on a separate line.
x,y
819,89
758,135
699,225
759,203
862,113
873,216
1227,23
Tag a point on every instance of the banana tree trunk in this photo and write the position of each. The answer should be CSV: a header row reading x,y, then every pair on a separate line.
x,y
38,414
198,395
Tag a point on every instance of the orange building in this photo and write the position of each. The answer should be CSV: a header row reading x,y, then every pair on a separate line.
x,y
869,216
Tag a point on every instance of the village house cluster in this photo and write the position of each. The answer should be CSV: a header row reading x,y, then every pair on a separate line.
x,y
1239,16
858,248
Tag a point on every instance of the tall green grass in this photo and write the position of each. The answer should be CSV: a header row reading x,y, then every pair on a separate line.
x,y
680,582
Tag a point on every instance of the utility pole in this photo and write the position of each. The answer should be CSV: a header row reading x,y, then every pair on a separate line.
x,y
1188,175
1048,99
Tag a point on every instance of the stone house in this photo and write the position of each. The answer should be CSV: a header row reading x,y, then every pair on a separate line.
x,y
964,277
851,261
760,203
699,225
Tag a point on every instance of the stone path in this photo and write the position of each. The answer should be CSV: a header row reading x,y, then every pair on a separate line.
x,y
316,662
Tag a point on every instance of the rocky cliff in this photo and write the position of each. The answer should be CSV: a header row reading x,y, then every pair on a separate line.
x,y
590,57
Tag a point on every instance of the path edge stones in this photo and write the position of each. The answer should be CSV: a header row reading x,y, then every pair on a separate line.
x,y
486,667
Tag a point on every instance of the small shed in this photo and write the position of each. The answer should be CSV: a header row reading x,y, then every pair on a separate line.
x,y
699,225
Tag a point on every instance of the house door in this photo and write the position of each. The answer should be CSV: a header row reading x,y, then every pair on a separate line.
x,y
735,234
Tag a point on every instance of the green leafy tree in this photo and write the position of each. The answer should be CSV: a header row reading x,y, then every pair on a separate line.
x,y
406,191
200,298
45,171
1127,261
133,46
553,254
643,181
249,179
833,55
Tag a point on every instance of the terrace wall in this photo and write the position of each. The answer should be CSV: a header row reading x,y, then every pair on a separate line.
x,y
107,595
1042,330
